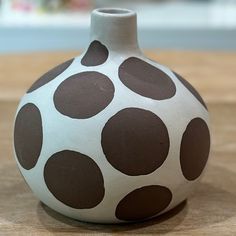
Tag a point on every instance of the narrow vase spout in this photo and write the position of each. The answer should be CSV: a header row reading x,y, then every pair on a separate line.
x,y
115,27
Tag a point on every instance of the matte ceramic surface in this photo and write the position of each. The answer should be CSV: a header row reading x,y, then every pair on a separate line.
x,y
111,136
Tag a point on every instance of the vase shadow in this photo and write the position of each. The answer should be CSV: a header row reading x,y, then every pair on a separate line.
x,y
180,210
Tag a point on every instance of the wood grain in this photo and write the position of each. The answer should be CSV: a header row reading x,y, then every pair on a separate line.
x,y
211,211
213,73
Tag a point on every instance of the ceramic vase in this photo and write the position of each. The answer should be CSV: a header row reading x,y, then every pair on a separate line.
x,y
111,136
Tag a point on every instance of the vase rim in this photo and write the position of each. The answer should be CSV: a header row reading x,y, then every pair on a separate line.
x,y
114,12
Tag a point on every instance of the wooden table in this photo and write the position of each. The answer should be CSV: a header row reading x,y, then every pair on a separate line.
x,y
211,211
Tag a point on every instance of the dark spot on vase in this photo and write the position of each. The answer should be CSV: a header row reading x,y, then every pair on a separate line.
x,y
195,147
84,95
191,89
96,54
146,80
135,141
50,75
143,203
74,179
28,136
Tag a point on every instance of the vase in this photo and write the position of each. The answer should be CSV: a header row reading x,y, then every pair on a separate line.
x,y
111,136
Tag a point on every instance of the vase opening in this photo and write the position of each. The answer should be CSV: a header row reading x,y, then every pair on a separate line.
x,y
115,11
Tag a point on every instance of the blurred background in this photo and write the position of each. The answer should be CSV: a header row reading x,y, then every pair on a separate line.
x,y
47,25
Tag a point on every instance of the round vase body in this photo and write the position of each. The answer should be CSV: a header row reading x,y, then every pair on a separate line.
x,y
111,136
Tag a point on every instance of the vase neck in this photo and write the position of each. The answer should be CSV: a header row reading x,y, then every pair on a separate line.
x,y
116,28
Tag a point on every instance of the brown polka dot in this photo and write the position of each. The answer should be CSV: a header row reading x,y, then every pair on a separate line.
x,y
135,141
195,147
143,203
74,179
50,75
84,95
146,80
28,136
191,89
96,55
